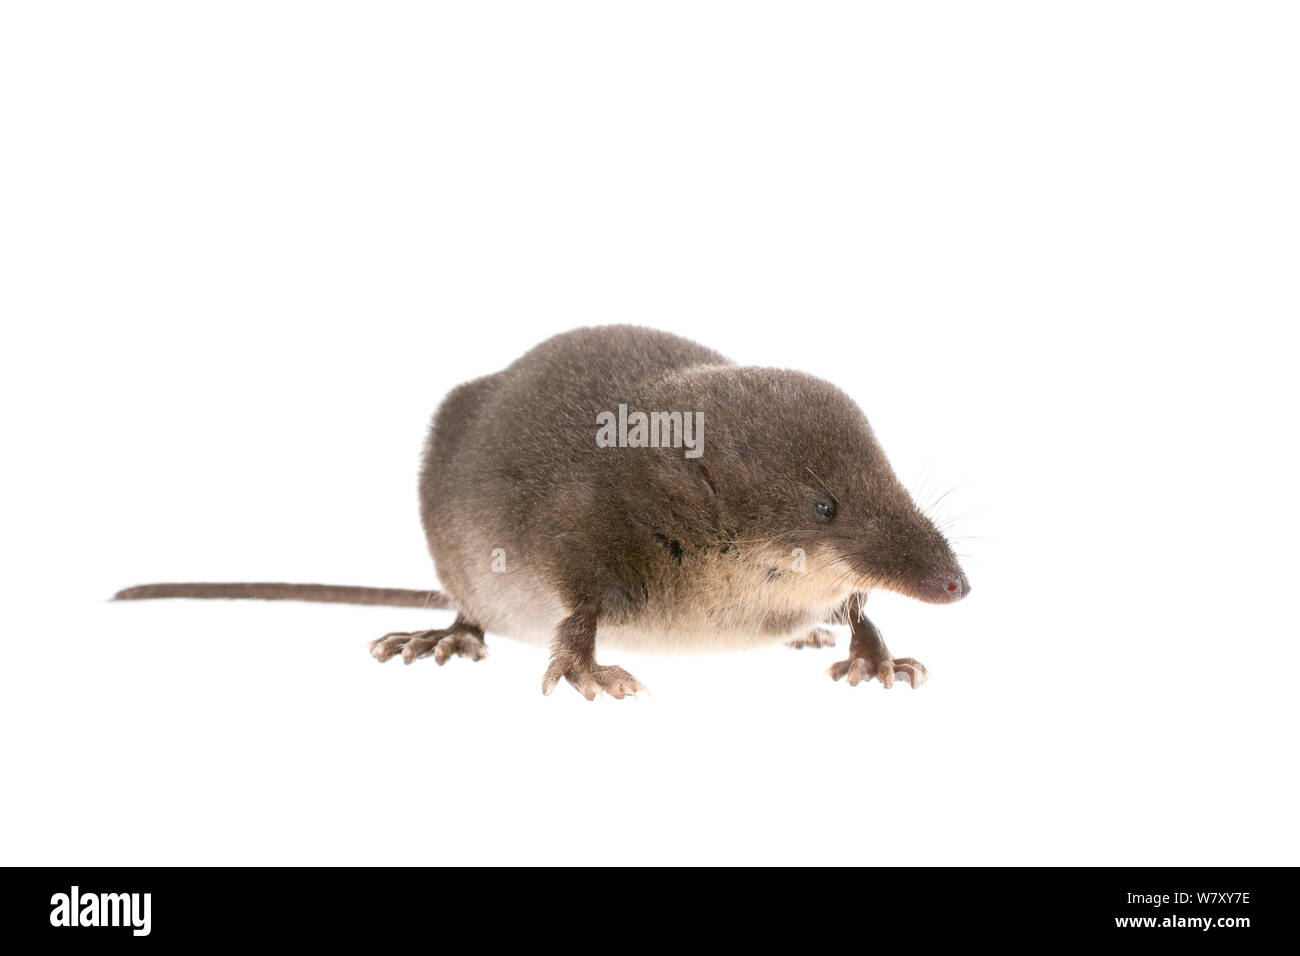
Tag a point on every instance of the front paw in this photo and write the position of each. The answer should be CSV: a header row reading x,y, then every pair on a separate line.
x,y
591,679
859,669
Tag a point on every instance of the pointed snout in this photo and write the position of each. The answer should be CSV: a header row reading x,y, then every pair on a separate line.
x,y
947,587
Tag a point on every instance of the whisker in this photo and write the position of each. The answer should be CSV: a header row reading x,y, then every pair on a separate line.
x,y
822,483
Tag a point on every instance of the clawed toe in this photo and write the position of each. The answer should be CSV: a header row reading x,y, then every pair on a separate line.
x,y
859,669
385,647
910,669
444,648
614,681
442,644
590,680
460,645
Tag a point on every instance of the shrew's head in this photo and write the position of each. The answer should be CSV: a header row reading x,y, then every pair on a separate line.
x,y
788,461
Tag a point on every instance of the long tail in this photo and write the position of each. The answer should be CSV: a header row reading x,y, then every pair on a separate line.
x,y
267,591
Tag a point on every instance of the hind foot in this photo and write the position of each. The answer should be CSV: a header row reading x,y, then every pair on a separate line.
x,y
592,679
859,669
462,639
817,637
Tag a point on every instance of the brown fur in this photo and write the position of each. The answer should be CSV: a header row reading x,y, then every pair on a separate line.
x,y
645,546
512,462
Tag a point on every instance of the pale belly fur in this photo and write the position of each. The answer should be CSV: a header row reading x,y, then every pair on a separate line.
x,y
708,611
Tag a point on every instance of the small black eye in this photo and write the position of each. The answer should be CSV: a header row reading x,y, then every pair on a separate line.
x,y
824,509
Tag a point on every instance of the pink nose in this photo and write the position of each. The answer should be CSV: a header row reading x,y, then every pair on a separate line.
x,y
958,587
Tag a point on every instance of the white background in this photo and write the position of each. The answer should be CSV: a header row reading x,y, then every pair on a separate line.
x,y
1051,250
